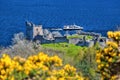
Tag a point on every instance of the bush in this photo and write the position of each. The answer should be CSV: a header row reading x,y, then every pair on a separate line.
x,y
87,64
21,47
108,59
36,67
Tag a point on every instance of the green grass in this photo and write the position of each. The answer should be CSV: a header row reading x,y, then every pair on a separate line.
x,y
88,37
83,58
69,49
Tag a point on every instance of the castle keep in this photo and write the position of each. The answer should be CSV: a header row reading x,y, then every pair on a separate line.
x,y
33,30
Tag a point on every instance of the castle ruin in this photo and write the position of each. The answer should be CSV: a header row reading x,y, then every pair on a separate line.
x,y
37,33
33,30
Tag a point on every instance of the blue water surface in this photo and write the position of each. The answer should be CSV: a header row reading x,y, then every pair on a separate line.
x,y
94,15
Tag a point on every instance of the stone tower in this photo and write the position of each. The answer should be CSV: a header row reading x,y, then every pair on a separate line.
x,y
37,30
33,30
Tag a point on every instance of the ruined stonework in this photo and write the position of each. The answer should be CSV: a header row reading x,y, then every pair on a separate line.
x,y
33,30
37,33
29,31
37,30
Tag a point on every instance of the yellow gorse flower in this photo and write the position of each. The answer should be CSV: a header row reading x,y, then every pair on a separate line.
x,y
36,64
69,68
110,34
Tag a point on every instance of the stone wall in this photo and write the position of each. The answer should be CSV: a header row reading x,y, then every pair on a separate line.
x,y
74,41
60,39
29,32
37,30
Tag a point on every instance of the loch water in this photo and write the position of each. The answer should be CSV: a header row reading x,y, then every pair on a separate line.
x,y
94,15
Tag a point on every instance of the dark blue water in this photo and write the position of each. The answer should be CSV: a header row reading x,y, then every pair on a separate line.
x,y
93,15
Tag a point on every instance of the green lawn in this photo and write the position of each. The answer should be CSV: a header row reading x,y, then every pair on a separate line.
x,y
80,37
69,49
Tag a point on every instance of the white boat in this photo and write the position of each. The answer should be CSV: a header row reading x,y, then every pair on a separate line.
x,y
72,27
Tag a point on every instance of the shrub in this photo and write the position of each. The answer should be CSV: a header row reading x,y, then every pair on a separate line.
x,y
36,67
108,59
87,64
21,47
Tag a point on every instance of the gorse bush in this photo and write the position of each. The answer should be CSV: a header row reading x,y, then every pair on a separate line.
x,y
87,64
36,67
108,59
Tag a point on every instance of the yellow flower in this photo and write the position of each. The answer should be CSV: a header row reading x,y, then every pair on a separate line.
x,y
62,72
110,48
12,78
3,77
61,78
41,54
98,61
30,58
43,58
114,34
27,72
99,66
19,68
103,73
35,57
106,50
113,77
110,60
102,65
2,71
102,78
107,65
98,55
113,44
114,54
116,37
110,34
119,54
107,57
41,63
69,68
45,68
57,61
1,66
